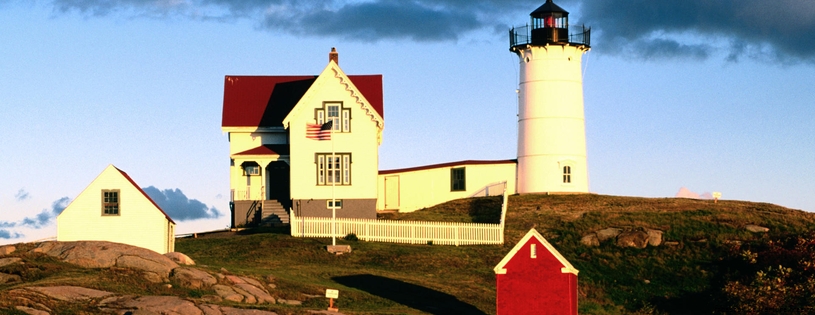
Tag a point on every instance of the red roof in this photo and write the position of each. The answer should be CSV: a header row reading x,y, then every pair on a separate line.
x,y
145,194
267,149
264,101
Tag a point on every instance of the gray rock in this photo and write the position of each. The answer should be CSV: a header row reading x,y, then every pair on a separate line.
x,y
7,278
257,292
192,278
9,261
7,249
180,258
248,298
156,304
606,234
654,237
69,293
101,254
756,228
590,240
227,293
634,238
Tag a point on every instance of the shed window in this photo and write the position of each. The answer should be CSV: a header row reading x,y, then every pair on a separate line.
x,y
457,180
110,202
533,252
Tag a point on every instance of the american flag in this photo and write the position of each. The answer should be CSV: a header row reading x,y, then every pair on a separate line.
x,y
319,132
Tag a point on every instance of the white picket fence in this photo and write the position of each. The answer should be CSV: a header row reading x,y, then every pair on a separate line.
x,y
396,231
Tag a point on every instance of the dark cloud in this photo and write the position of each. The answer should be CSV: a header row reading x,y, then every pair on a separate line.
x,y
38,221
47,215
178,206
5,234
22,195
777,30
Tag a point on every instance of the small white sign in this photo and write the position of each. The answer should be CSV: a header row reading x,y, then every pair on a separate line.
x,y
332,294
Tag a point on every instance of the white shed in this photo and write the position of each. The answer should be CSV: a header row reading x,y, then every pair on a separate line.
x,y
113,208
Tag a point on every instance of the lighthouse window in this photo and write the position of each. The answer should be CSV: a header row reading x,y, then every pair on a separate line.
x,y
335,113
567,174
457,181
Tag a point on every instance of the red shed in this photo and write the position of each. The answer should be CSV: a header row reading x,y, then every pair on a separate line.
x,y
534,278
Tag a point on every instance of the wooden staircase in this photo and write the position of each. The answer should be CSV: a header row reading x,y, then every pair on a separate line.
x,y
272,213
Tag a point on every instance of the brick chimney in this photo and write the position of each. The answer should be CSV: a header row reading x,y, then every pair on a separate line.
x,y
333,55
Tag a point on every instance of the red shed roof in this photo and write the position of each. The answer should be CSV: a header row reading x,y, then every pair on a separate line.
x,y
264,101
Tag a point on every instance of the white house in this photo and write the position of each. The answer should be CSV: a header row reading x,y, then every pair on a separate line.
x,y
275,166
113,208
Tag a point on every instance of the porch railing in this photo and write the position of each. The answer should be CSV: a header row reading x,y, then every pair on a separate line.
x,y
250,193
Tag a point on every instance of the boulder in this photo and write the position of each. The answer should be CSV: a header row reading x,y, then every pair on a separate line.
x,y
260,295
69,293
192,278
7,249
227,293
180,258
154,304
590,240
101,254
654,237
606,234
633,238
756,228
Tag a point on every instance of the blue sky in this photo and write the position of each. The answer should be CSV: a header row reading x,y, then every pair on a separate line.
x,y
711,96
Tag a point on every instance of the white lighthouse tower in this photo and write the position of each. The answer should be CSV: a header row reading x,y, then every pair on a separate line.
x,y
551,127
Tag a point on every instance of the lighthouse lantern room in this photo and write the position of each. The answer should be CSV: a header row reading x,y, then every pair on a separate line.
x,y
551,123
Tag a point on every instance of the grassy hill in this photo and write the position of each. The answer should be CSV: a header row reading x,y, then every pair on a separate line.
x,y
384,278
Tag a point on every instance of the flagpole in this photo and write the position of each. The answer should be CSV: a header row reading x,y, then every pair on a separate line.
x,y
333,185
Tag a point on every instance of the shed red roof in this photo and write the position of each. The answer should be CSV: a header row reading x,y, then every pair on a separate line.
x,y
264,101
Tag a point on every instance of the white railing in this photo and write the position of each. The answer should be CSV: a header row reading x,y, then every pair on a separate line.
x,y
396,231
250,193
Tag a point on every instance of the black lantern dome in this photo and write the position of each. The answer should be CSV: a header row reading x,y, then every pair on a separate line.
x,y
550,25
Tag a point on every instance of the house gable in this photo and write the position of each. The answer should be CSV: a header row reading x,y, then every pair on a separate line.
x,y
524,243
138,220
333,72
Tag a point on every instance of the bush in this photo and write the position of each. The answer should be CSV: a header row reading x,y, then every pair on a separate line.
x,y
351,237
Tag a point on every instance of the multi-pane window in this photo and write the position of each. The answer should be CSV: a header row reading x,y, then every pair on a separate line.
x,y
334,170
251,170
110,202
567,174
457,180
336,113
335,203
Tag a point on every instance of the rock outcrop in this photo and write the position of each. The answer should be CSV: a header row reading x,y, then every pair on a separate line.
x,y
180,258
101,254
756,228
628,237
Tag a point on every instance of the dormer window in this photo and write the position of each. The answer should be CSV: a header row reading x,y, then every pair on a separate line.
x,y
336,113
